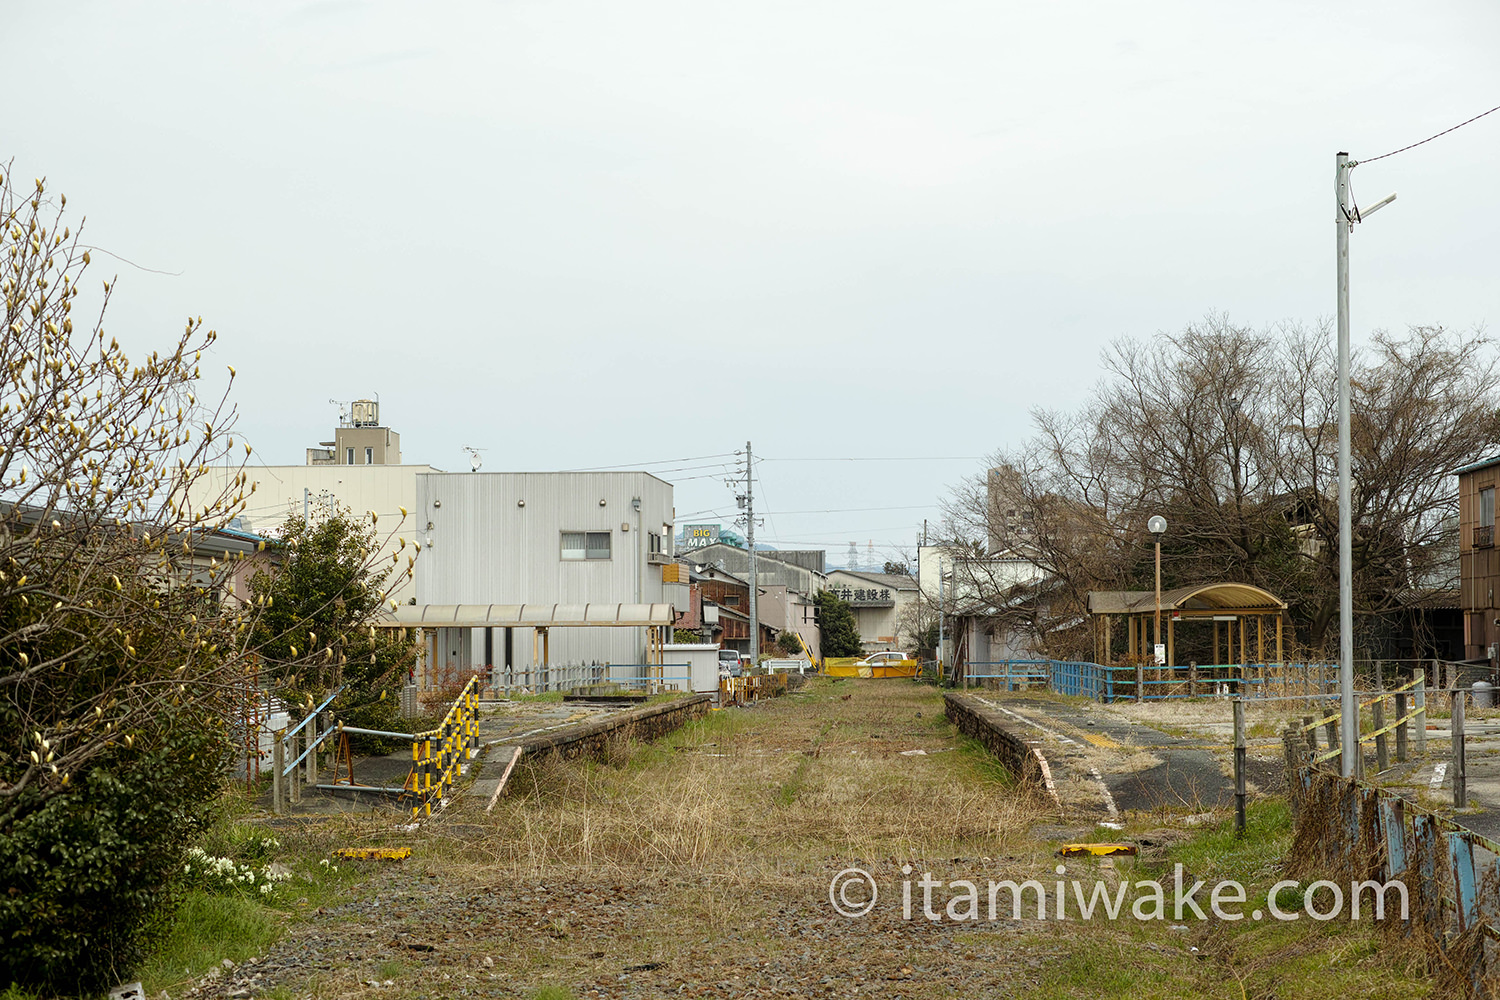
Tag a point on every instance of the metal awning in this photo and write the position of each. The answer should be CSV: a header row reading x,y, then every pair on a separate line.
x,y
526,616
1208,598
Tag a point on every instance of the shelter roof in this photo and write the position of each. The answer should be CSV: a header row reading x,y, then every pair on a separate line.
x,y
1483,463
1202,597
526,616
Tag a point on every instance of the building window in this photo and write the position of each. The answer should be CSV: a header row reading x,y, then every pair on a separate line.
x,y
1484,531
653,543
369,456
585,544
349,453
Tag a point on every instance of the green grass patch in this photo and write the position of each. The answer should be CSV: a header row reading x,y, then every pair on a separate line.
x,y
1302,960
786,794
206,930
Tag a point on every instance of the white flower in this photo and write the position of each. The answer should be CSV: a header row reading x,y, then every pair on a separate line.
x,y
265,888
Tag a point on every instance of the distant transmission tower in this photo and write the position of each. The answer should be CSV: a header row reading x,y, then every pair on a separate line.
x,y
854,555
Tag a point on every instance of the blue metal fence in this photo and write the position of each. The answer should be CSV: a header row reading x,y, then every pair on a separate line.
x,y
1116,683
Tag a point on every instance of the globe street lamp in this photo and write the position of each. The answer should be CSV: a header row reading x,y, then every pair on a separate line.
x,y
1157,525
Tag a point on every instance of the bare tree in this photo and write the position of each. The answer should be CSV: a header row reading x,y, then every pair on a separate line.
x,y
116,664
1231,434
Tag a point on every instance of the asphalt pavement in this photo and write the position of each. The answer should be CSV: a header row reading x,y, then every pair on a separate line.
x,y
1104,764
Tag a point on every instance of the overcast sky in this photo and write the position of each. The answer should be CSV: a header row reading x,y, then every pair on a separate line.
x,y
604,234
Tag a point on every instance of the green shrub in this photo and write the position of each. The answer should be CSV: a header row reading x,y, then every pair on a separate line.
x,y
87,877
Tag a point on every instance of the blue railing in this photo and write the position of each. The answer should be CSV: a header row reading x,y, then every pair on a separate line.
x,y
1106,683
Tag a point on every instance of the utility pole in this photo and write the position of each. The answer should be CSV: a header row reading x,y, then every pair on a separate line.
x,y
306,504
942,610
1348,707
750,541
1344,219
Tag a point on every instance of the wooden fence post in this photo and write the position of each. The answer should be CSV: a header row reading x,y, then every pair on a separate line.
x,y
1192,678
278,761
1419,705
1401,727
1294,767
295,777
1312,732
1382,751
1460,764
1239,767
311,740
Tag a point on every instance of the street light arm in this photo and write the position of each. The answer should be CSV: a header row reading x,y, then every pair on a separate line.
x,y
1364,213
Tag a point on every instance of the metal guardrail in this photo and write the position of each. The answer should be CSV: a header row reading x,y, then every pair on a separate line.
x,y
439,756
1251,681
1418,691
1343,823
287,779
541,679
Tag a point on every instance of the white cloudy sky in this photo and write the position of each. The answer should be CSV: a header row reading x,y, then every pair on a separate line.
x,y
591,234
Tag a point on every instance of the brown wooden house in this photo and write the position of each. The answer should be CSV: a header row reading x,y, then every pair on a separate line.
x,y
1478,559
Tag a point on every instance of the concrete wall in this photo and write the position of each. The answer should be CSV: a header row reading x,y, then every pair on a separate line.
x,y
594,739
384,489
980,722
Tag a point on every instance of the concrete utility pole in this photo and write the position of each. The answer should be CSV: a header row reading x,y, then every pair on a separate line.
x,y
750,541
942,606
1344,219
1348,707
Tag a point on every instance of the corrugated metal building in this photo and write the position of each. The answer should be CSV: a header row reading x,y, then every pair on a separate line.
x,y
544,538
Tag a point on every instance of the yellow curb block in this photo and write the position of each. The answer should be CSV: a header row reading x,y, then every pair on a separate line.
x,y
1097,850
373,853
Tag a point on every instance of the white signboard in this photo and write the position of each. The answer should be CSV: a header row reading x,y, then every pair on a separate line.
x,y
1161,652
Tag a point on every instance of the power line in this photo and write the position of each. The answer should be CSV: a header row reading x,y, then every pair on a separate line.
x,y
1414,145
892,458
851,510
664,461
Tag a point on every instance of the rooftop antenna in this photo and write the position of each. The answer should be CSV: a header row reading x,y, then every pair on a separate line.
x,y
474,460
343,413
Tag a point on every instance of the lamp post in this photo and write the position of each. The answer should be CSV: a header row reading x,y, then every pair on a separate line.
x,y
1157,525
1344,219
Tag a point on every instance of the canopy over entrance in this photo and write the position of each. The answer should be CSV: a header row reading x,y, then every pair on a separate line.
x,y
527,616
1231,605
431,620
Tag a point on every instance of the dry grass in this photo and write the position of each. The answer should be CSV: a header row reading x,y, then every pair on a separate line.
x,y
807,776
700,866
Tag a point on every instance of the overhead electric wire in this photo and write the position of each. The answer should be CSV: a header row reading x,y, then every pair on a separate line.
x,y
1439,135
890,458
664,461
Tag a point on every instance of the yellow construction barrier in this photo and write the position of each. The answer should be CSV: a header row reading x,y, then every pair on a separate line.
x,y
847,666
439,755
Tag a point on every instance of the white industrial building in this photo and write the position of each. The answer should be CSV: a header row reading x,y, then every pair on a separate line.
x,y
509,539
879,602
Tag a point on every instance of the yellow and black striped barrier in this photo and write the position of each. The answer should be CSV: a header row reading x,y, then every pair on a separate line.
x,y
753,687
373,853
438,756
